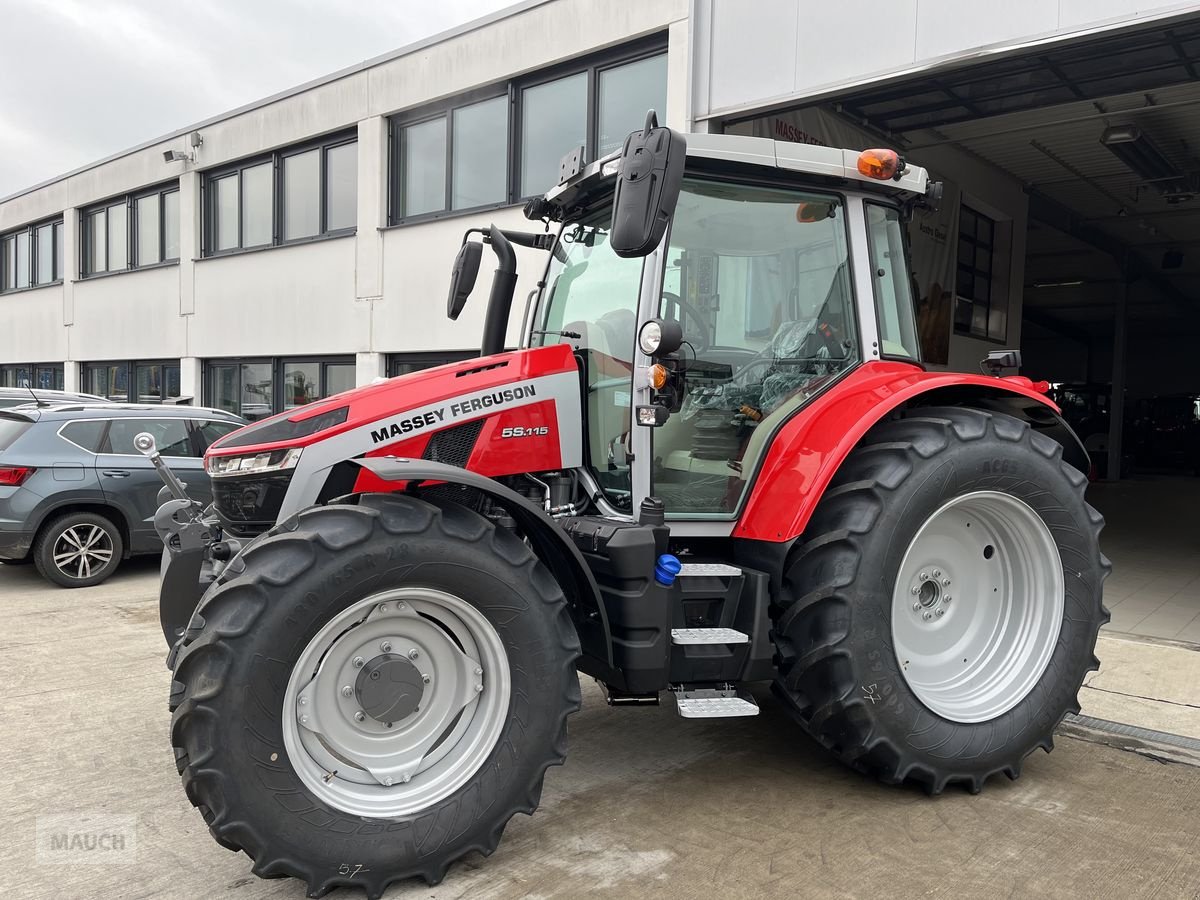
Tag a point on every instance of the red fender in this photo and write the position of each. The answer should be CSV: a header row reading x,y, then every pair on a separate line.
x,y
810,447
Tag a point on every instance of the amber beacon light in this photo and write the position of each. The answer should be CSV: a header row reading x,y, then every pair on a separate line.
x,y
881,164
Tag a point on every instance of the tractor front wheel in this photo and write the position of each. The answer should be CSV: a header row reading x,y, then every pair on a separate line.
x,y
371,691
941,613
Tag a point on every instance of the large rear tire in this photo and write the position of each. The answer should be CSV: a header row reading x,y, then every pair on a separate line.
x,y
941,613
336,644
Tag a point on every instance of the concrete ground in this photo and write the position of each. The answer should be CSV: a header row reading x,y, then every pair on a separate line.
x,y
647,805
1152,536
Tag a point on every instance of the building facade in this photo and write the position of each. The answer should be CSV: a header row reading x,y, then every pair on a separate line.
x,y
302,244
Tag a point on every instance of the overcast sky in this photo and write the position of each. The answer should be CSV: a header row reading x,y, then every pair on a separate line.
x,y
82,79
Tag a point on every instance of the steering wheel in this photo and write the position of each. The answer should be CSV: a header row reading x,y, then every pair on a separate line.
x,y
701,343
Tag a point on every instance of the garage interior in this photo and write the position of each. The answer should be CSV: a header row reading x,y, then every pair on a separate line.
x,y
1103,136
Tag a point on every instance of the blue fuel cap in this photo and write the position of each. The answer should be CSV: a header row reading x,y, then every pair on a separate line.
x,y
667,568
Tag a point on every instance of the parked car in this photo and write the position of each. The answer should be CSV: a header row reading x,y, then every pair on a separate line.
x,y
13,396
77,498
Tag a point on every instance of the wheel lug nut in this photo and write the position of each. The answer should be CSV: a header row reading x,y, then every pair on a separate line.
x,y
386,646
478,671
347,691
927,616
383,607
479,688
413,654
945,582
358,716
941,612
937,573
401,607
916,590
917,606
387,782
924,576
358,662
406,779
303,700
426,679
304,720
947,599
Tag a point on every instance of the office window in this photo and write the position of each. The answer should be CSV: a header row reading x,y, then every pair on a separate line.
x,y
133,381
23,259
424,149
47,376
255,389
626,93
295,194
59,252
553,120
977,311
478,151
407,363
131,232
31,257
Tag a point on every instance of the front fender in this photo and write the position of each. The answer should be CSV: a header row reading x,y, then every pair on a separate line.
x,y
550,542
810,447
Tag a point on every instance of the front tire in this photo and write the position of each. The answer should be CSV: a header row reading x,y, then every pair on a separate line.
x,y
955,676
320,782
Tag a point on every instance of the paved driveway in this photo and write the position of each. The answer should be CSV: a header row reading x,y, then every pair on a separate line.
x,y
648,804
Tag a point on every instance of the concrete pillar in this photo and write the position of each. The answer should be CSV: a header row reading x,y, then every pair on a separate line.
x,y
679,106
70,255
189,240
1116,409
191,378
372,207
369,366
71,379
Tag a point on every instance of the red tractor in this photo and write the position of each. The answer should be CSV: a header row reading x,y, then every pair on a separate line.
x,y
714,462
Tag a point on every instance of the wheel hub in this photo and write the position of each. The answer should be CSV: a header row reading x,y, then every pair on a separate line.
x,y
389,688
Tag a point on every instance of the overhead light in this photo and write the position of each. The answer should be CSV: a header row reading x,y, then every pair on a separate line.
x,y
177,156
1075,282
1137,151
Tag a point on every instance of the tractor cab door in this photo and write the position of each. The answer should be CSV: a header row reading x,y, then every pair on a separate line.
x,y
590,301
759,278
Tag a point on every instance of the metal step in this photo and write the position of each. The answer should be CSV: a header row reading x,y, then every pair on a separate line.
x,y
701,569
708,636
706,703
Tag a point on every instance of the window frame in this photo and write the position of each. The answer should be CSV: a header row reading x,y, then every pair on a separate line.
x,y
278,365
130,202
208,197
131,393
35,369
990,275
613,58
30,231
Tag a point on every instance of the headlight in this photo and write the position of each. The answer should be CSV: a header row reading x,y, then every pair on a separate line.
x,y
650,337
255,464
660,337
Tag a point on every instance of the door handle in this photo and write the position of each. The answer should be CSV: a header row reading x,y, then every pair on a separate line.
x,y
115,473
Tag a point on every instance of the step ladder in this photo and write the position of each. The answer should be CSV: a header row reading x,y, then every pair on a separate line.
x,y
714,703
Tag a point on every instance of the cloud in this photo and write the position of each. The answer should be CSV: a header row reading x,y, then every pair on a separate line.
x,y
83,79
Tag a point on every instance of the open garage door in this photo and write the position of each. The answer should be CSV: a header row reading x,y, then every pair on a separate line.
x,y
1073,170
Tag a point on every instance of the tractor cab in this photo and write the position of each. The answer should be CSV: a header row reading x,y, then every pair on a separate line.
x,y
776,269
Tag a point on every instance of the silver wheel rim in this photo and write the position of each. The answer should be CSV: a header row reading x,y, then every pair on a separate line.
x,y
82,551
978,606
364,766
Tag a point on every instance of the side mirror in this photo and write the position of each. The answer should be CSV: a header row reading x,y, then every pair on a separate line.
x,y
648,183
462,279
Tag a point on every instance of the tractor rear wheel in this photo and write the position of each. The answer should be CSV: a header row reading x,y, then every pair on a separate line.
x,y
371,691
941,613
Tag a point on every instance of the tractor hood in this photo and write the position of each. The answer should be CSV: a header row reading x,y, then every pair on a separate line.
x,y
518,411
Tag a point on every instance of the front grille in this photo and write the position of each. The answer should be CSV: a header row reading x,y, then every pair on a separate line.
x,y
453,446
250,504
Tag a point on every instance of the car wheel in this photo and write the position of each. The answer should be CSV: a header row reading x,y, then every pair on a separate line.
x,y
78,550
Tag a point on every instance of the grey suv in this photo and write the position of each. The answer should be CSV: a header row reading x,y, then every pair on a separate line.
x,y
76,497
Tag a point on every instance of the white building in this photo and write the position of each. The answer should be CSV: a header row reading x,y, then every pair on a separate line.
x,y
302,243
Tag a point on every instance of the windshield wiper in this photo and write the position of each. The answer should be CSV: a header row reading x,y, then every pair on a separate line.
x,y
571,335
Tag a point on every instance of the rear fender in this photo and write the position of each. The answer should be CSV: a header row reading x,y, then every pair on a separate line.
x,y
809,448
550,542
